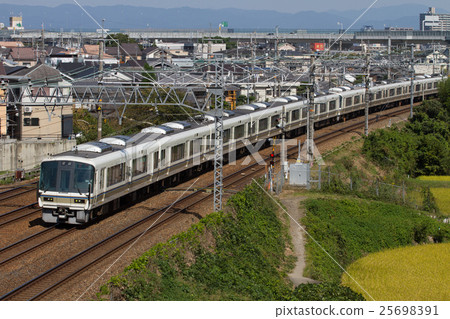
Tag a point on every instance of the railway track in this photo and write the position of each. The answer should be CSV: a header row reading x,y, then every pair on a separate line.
x,y
17,191
55,277
27,245
18,214
38,287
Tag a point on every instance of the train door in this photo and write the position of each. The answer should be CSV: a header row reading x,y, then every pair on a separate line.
x,y
162,160
101,188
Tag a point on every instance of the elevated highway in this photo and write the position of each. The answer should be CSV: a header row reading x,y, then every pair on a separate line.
x,y
396,37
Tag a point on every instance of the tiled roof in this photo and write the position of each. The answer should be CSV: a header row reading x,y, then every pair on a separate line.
x,y
11,44
23,54
131,49
40,72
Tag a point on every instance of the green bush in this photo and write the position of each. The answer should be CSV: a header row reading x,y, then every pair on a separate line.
x,y
226,256
349,229
325,292
422,146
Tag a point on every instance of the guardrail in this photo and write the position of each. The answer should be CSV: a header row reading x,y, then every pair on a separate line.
x,y
20,174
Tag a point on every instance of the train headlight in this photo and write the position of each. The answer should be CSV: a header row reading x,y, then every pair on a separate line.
x,y
48,199
79,201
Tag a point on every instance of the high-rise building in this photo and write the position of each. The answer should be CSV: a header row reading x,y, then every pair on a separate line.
x,y
15,23
432,21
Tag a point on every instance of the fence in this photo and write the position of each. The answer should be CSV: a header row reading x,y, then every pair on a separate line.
x,y
411,195
27,173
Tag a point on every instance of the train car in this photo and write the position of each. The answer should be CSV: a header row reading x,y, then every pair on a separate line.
x,y
77,186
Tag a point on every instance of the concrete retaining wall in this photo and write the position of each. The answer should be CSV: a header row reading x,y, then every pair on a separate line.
x,y
29,154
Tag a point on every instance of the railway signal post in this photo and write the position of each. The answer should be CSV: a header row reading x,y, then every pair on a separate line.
x,y
367,95
310,114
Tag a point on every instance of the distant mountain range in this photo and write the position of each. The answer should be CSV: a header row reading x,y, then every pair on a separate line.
x,y
71,17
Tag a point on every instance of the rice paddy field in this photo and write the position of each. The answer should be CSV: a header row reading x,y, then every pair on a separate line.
x,y
411,273
440,187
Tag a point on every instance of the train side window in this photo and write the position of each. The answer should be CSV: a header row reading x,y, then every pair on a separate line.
x,y
332,105
263,124
323,108
177,152
357,99
417,87
116,174
102,178
391,92
251,128
287,117
139,166
155,159
304,110
379,95
399,91
226,135
429,85
348,101
295,116
239,131
435,84
195,146
213,141
207,142
274,120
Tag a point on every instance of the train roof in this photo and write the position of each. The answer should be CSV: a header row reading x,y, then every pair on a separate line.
x,y
205,122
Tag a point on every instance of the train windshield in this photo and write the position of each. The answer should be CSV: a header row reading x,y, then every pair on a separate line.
x,y
66,177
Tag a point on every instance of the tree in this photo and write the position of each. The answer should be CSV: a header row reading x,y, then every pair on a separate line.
x,y
149,74
119,37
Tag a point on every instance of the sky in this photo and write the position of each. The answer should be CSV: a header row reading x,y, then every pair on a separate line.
x,y
277,5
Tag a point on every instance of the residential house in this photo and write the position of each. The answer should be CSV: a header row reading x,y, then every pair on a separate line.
x,y
46,120
11,44
286,47
130,51
91,52
57,55
154,53
23,56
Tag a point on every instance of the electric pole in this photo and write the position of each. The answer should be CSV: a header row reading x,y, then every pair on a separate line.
x,y
100,77
218,143
366,95
412,82
310,113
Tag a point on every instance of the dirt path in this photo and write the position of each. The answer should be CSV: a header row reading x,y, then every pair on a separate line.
x,y
292,204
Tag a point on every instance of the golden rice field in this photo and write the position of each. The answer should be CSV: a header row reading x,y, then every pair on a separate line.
x,y
442,196
408,273
440,187
435,178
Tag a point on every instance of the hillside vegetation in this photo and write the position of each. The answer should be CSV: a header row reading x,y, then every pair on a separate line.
x,y
240,254
349,229
422,146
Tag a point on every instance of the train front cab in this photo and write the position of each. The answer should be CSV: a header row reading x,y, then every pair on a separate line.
x,y
65,191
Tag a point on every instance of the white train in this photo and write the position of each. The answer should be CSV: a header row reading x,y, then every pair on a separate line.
x,y
78,185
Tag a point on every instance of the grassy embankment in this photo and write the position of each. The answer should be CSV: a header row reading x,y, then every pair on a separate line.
x,y
239,254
